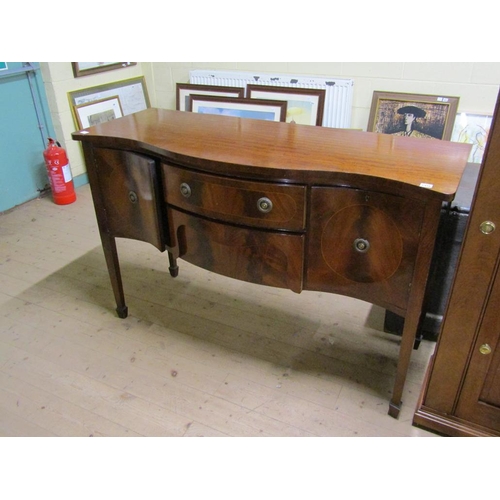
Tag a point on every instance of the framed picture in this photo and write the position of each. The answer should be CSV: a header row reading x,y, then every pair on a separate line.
x,y
260,109
132,93
304,106
413,115
89,68
103,110
184,90
472,129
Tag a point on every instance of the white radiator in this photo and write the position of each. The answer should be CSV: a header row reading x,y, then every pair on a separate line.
x,y
338,96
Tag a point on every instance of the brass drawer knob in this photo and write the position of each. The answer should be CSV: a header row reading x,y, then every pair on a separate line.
x,y
132,196
361,245
185,190
487,227
265,205
485,349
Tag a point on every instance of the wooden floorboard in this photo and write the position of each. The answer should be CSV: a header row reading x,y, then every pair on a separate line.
x,y
199,355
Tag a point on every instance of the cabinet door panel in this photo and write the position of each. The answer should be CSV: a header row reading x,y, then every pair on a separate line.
x,y
479,400
127,183
363,244
263,257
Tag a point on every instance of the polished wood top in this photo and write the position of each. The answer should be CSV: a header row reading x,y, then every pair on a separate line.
x,y
289,152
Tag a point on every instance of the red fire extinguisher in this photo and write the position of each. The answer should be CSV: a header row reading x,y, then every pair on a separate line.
x,y
59,172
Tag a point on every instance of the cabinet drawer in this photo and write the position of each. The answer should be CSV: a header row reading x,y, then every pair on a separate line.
x,y
267,205
262,257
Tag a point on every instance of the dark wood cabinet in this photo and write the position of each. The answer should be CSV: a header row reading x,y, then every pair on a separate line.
x,y
276,204
461,395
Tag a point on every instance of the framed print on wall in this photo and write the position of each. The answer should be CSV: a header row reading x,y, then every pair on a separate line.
x,y
260,109
413,115
95,112
89,68
304,106
184,90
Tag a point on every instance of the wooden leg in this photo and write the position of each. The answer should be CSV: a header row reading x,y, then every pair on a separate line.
x,y
405,350
415,302
111,255
407,345
173,267
394,410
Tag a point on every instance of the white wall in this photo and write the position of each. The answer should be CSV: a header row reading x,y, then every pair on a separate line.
x,y
477,85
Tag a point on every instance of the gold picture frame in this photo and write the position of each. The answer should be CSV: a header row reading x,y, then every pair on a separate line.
x,y
413,115
132,92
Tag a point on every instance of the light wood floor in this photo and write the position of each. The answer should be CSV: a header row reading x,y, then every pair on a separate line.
x,y
199,355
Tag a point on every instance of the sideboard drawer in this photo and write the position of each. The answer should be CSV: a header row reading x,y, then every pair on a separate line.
x,y
263,257
259,204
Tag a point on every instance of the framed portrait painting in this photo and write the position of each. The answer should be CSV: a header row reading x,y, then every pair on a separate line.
x,y
185,90
260,109
304,106
413,115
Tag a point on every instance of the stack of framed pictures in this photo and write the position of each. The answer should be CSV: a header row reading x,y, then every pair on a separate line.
x,y
106,102
282,104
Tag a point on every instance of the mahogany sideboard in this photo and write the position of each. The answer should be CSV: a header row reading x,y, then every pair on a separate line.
x,y
278,204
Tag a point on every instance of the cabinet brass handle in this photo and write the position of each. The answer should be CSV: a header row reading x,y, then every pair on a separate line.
x,y
265,205
132,196
361,245
485,349
487,227
185,190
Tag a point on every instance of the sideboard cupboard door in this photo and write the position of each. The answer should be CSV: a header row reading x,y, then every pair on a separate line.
x,y
363,244
128,185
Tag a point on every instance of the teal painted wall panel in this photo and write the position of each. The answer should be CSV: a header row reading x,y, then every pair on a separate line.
x,y
23,129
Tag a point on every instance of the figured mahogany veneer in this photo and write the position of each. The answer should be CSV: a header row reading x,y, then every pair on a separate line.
x,y
278,204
